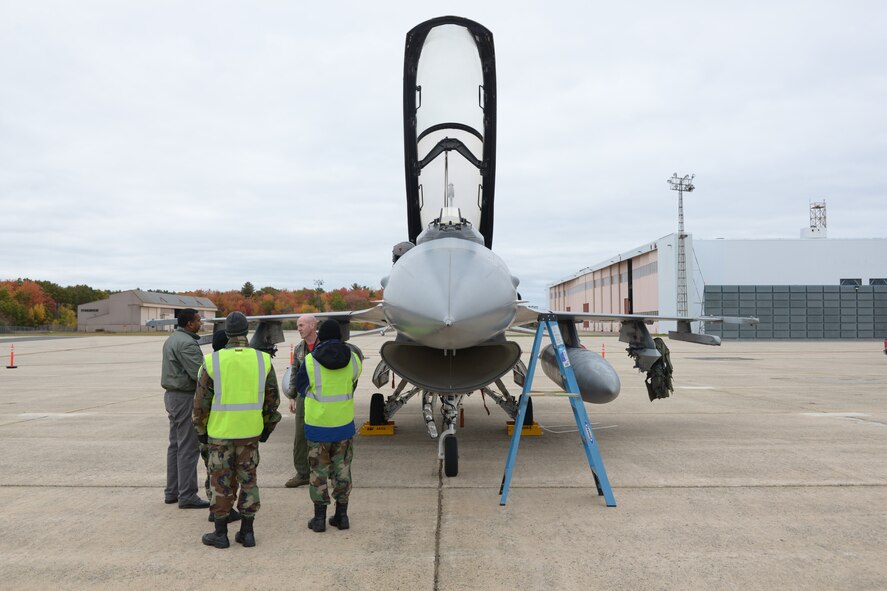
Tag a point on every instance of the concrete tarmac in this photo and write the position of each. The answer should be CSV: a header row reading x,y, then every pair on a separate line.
x,y
765,470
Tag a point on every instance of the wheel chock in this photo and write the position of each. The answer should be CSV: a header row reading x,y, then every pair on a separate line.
x,y
533,430
367,429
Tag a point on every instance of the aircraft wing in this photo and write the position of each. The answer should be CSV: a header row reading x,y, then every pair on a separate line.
x,y
633,330
648,319
372,315
527,314
269,331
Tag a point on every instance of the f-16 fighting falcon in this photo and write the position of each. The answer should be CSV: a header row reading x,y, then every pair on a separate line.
x,y
449,298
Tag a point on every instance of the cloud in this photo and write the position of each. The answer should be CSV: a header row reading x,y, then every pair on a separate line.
x,y
207,144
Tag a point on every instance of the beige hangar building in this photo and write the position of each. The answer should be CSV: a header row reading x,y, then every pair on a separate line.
x,y
128,311
808,288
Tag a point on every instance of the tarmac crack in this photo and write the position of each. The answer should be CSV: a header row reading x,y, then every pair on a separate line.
x,y
438,525
44,416
112,403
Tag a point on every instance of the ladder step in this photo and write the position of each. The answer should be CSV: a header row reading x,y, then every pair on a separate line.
x,y
554,394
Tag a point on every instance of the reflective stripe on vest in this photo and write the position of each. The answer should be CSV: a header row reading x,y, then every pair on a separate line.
x,y
318,383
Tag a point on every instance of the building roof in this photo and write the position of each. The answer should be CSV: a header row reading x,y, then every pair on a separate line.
x,y
629,254
809,243
173,300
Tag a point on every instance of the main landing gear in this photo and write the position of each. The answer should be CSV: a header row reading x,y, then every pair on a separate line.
x,y
377,409
382,411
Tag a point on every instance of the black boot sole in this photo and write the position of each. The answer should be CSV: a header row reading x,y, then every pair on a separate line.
x,y
317,528
221,544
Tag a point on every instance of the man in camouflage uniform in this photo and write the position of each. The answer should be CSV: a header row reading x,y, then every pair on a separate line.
x,y
307,326
327,380
220,340
235,407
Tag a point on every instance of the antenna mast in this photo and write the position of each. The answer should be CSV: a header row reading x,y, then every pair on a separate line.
x,y
681,184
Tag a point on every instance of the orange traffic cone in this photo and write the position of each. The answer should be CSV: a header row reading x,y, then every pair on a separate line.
x,y
12,364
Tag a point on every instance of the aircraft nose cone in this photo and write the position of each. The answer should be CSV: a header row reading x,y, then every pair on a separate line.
x,y
450,294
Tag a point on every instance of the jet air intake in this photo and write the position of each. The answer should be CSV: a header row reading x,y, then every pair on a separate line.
x,y
597,380
451,372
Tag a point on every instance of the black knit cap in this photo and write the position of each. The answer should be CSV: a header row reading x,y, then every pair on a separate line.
x,y
220,339
236,324
329,330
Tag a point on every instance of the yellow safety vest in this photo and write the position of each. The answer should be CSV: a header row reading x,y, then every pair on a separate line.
x,y
329,401
239,376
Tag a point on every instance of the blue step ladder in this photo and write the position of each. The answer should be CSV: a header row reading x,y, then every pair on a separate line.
x,y
549,322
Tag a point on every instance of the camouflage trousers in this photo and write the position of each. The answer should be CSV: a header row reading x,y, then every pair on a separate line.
x,y
330,461
231,466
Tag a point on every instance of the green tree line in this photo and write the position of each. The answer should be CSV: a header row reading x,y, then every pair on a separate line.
x,y
24,302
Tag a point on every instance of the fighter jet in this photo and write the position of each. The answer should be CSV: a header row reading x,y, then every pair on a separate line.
x,y
448,297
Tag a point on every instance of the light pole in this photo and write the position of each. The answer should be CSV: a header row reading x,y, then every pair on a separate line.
x,y
681,184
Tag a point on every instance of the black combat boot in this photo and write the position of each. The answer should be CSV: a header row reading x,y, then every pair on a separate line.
x,y
318,524
245,536
232,516
340,519
218,538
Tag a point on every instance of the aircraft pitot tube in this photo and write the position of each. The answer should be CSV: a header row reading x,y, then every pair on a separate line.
x,y
597,380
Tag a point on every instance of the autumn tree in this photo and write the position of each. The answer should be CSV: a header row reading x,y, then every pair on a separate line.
x,y
31,303
24,303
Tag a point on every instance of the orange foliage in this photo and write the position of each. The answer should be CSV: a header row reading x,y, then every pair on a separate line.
x,y
25,303
285,301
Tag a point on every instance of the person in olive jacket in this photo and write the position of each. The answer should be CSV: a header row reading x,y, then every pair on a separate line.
x,y
182,359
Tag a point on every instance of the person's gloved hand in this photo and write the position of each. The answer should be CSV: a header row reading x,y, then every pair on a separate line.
x,y
203,438
265,435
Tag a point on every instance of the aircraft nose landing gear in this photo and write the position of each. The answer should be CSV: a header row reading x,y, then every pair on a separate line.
x,y
448,447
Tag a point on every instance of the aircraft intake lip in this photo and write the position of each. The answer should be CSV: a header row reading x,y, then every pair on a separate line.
x,y
470,369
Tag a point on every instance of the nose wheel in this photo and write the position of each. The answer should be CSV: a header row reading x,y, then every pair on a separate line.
x,y
451,456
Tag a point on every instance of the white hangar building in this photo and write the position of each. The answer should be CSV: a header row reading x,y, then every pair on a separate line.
x,y
809,288
128,311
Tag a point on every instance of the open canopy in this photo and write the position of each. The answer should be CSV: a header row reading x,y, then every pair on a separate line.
x,y
450,123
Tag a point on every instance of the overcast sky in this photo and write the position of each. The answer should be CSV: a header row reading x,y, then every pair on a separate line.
x,y
188,145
